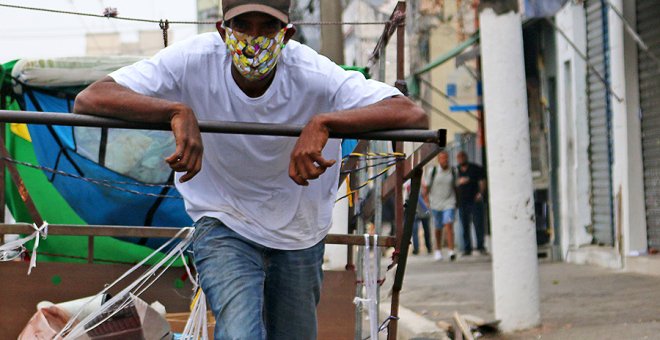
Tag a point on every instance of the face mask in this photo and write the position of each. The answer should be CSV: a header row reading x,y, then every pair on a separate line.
x,y
254,57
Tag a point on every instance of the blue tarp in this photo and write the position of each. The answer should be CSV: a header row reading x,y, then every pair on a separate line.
x,y
110,201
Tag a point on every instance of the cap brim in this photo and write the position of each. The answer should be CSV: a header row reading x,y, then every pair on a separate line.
x,y
238,10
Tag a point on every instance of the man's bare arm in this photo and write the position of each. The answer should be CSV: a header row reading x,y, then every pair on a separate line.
x,y
109,99
307,161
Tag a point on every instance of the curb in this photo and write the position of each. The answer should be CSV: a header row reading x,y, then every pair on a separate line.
x,y
414,326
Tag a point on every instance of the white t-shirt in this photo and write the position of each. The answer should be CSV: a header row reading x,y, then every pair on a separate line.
x,y
442,195
244,181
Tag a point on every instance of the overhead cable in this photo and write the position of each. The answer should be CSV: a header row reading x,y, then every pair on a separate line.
x,y
183,22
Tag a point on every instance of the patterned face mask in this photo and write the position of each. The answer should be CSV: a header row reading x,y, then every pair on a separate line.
x,y
255,57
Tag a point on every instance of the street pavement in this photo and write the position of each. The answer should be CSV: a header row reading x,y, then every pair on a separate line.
x,y
577,301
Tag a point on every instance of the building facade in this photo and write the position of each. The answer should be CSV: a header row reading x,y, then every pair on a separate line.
x,y
608,143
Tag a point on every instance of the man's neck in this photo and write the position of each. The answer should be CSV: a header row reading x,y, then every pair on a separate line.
x,y
252,89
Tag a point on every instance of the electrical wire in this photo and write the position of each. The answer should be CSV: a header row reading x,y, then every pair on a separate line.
x,y
184,22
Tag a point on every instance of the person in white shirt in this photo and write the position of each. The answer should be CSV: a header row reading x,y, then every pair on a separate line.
x,y
262,204
441,194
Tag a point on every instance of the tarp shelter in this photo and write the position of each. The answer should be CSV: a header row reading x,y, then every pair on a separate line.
x,y
23,145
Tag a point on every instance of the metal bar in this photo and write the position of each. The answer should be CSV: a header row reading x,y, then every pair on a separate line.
x,y
90,249
417,160
94,230
2,171
403,245
156,232
358,240
398,190
359,292
378,215
591,67
289,130
22,190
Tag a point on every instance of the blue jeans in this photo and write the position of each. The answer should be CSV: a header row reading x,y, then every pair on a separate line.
x,y
472,212
427,233
257,292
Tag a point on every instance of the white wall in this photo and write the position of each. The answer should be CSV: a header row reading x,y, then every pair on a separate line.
x,y
574,175
31,34
627,170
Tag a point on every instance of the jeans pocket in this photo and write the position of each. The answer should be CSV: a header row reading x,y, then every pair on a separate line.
x,y
203,226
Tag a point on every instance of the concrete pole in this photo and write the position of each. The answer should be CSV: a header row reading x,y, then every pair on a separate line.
x,y
332,36
514,252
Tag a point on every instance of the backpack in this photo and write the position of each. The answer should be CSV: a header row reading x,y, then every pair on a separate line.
x,y
435,172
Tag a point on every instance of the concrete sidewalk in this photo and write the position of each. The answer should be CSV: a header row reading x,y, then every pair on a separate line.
x,y
577,301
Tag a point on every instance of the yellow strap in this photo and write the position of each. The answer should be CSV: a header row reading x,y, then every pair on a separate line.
x,y
377,154
194,300
348,192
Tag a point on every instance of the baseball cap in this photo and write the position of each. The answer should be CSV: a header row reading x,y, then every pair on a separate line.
x,y
276,8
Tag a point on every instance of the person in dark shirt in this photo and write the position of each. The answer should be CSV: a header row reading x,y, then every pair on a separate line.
x,y
470,190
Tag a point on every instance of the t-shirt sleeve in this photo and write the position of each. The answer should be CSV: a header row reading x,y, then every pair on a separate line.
x,y
350,89
157,77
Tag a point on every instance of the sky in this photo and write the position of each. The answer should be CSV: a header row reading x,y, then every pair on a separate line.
x,y
31,34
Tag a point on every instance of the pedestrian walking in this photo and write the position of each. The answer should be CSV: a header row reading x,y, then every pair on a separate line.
x,y
470,193
441,194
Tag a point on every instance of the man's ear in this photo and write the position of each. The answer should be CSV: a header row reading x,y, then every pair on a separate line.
x,y
221,29
289,33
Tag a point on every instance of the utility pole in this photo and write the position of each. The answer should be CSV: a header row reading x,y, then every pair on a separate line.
x,y
332,36
514,251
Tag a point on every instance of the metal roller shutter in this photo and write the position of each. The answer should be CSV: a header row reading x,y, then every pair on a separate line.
x,y
648,12
600,149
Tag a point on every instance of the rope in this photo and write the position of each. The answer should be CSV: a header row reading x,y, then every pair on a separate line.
x,y
384,325
109,14
134,288
337,23
39,233
85,258
388,163
10,254
382,172
102,182
197,324
370,274
164,26
375,155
